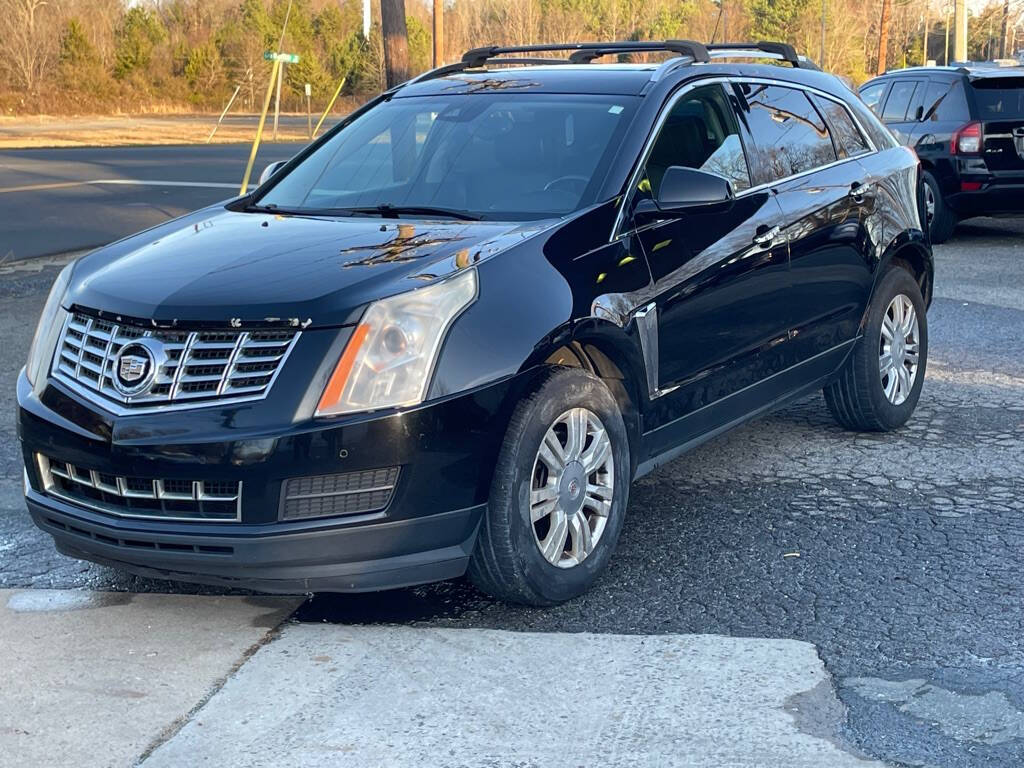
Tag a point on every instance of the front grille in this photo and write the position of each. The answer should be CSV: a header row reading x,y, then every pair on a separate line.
x,y
171,499
197,366
351,493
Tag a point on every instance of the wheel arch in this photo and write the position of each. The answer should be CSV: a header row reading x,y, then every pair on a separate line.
x,y
910,251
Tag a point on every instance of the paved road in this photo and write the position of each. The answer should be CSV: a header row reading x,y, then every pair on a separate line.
x,y
59,200
908,579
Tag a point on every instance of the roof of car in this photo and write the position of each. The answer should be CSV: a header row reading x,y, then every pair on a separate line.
x,y
601,79
974,71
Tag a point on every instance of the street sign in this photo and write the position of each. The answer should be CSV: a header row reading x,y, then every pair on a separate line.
x,y
284,58
309,90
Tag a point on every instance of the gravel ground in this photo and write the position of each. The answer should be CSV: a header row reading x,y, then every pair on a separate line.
x,y
898,556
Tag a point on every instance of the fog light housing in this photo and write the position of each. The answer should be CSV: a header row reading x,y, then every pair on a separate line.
x,y
349,493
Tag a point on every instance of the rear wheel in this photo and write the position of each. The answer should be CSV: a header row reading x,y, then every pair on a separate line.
x,y
880,383
559,493
941,220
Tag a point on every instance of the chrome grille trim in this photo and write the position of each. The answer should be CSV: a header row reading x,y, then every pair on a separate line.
x,y
53,471
203,367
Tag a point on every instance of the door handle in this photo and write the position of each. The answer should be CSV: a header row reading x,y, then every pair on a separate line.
x,y
857,190
766,236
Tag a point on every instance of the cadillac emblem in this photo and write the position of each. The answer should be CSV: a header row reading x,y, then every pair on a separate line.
x,y
136,365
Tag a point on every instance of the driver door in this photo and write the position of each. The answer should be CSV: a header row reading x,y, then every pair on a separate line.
x,y
720,274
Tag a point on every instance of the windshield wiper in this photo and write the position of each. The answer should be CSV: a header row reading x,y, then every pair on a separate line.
x,y
395,211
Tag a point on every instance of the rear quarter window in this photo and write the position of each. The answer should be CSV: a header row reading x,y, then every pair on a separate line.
x,y
951,106
845,133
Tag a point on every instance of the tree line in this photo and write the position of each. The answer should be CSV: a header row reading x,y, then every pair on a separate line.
x,y
67,56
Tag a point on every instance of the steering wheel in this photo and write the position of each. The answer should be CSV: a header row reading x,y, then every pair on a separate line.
x,y
581,180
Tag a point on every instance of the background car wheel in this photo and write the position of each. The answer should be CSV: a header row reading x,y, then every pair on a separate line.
x,y
941,220
559,493
880,384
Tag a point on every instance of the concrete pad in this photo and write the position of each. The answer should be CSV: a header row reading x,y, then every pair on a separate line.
x,y
93,679
323,695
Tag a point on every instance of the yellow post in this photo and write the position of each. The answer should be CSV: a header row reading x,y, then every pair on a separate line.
x,y
259,128
329,105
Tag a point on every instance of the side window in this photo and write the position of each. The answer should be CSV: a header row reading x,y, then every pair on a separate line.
x,y
790,135
932,95
872,96
699,132
953,106
845,133
899,99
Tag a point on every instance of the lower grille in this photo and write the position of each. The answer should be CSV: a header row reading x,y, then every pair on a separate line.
x,y
172,499
351,493
136,543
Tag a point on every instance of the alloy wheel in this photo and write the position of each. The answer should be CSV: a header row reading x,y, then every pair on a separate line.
x,y
899,349
571,489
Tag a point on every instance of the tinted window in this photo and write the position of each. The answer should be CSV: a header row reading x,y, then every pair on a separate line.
x,y
700,132
872,95
497,156
789,134
952,106
899,99
934,92
846,135
999,98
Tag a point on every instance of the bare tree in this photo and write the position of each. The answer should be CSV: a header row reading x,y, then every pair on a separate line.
x,y
396,41
28,29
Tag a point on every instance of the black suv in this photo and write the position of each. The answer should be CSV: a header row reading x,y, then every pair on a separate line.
x,y
451,332
967,126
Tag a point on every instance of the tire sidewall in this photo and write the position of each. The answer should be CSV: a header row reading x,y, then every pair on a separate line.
x,y
569,388
896,281
941,225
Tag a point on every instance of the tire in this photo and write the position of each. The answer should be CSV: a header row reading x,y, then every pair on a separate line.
x,y
858,398
943,220
507,562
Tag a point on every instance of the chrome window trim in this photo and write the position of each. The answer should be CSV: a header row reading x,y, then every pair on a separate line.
x,y
634,177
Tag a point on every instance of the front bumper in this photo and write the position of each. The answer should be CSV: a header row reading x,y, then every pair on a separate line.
x,y
446,453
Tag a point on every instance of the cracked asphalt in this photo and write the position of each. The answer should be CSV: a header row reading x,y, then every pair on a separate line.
x,y
899,556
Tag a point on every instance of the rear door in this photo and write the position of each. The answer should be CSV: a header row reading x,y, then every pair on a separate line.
x,y
900,111
810,163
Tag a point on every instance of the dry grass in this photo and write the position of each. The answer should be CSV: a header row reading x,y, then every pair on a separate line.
x,y
107,131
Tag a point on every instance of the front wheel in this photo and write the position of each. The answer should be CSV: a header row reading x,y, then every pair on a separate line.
x,y
879,385
559,493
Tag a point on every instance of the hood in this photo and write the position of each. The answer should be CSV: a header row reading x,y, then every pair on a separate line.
x,y
220,266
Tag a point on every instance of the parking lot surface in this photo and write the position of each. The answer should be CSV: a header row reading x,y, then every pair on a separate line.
x,y
898,556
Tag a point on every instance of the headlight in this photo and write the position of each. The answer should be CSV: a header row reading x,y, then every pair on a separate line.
x,y
391,354
41,350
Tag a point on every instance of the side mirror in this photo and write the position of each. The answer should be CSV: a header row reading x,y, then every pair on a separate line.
x,y
270,170
683,189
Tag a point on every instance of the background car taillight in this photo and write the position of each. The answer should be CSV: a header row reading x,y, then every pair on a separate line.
x,y
967,140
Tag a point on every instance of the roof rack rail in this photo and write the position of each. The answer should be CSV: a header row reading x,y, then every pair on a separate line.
x,y
784,51
584,53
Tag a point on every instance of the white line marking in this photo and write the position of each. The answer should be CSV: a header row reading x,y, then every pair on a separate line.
x,y
119,182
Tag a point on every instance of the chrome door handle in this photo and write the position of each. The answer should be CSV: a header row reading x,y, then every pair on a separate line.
x,y
767,237
857,190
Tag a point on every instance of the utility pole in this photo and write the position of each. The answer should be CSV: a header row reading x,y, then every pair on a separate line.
x,y
945,55
396,41
960,30
821,57
438,33
1004,36
883,38
924,44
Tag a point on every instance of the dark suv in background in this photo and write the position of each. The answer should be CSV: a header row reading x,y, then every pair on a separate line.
x,y
967,126
451,332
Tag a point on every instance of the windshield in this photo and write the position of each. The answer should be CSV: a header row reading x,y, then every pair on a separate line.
x,y
999,98
491,156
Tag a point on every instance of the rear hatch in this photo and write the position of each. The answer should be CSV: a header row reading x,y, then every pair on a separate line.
x,y
999,101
